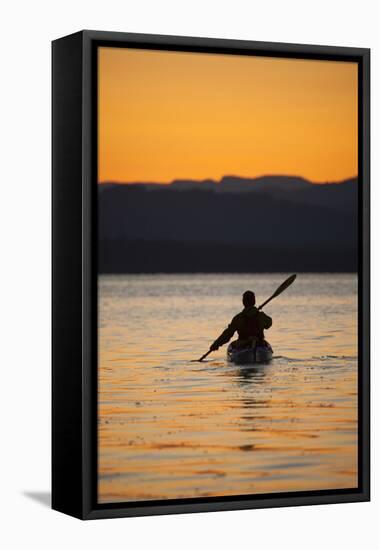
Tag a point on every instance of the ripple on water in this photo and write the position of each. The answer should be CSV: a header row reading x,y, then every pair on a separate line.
x,y
169,428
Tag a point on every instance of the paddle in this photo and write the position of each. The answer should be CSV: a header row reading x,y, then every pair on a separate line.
x,y
278,291
201,358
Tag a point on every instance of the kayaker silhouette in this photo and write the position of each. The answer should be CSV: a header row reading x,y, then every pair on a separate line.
x,y
249,324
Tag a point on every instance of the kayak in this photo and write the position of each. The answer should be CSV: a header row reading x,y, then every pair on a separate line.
x,y
260,354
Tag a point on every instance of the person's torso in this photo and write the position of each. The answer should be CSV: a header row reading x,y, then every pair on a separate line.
x,y
248,325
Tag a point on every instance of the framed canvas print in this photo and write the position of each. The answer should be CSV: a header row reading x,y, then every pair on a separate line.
x,y
210,275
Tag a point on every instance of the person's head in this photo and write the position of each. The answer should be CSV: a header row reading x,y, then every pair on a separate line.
x,y
248,298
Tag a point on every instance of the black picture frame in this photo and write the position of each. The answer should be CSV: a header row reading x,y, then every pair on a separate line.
x,y
74,272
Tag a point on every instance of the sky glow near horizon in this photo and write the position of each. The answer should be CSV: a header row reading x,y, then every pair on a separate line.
x,y
178,115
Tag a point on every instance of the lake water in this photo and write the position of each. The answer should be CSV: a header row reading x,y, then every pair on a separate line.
x,y
169,428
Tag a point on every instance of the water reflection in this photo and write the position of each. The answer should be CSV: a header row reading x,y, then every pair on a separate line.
x,y
169,428
248,375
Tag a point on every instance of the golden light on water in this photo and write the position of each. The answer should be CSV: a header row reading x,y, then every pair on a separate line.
x,y
169,428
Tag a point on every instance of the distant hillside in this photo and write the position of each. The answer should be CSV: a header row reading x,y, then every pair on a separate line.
x,y
277,220
234,184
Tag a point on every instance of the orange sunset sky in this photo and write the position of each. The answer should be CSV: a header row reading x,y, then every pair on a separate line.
x,y
167,115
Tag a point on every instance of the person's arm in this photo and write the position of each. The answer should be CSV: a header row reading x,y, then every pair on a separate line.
x,y
264,320
224,337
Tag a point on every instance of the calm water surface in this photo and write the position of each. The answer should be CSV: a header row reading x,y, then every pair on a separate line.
x,y
169,428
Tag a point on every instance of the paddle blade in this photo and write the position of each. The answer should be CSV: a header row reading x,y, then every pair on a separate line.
x,y
279,290
201,358
284,285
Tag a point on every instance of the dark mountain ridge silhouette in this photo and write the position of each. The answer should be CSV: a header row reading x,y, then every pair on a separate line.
x,y
234,184
268,223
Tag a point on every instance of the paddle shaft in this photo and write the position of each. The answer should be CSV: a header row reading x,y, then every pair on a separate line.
x,y
266,302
